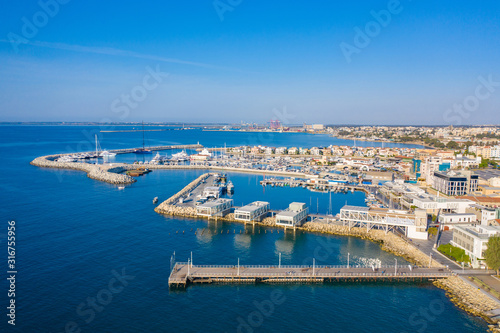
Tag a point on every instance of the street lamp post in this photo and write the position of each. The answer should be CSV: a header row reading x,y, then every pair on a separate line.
x,y
348,254
396,267
238,266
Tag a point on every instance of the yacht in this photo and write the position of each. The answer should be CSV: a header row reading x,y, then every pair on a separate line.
x,y
106,153
182,156
230,187
66,159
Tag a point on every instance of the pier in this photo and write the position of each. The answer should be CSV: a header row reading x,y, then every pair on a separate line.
x,y
184,274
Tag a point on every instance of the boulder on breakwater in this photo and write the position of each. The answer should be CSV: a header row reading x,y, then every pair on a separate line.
x,y
468,298
98,172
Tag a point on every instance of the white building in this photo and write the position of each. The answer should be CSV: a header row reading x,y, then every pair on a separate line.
x,y
433,204
293,216
495,152
489,214
465,162
212,191
473,240
254,211
449,220
219,207
455,183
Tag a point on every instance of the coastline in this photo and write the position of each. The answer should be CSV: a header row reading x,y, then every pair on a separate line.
x,y
419,143
469,299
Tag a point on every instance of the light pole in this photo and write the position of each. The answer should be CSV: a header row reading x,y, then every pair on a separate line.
x,y
396,267
191,259
314,264
238,266
348,259
279,264
188,266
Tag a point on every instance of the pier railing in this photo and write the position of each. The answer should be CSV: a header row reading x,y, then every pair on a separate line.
x,y
320,275
297,266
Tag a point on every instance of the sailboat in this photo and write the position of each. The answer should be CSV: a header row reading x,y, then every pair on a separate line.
x,y
142,150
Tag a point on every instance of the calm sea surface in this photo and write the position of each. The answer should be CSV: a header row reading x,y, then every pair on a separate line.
x,y
93,258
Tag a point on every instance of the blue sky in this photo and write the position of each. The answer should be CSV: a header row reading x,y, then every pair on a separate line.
x,y
264,59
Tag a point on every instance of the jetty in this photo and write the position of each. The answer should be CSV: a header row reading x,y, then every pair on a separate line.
x,y
110,173
185,273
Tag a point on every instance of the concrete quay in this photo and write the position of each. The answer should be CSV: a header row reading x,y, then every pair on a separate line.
x,y
184,273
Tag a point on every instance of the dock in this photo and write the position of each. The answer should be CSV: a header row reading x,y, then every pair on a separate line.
x,y
184,274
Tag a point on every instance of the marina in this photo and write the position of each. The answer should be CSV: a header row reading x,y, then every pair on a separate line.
x,y
216,239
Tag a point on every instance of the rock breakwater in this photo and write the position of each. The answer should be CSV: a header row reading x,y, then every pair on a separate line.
x,y
103,173
468,298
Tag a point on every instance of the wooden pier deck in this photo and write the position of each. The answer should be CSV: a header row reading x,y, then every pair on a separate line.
x,y
183,274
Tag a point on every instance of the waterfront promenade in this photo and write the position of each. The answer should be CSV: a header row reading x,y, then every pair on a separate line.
x,y
184,273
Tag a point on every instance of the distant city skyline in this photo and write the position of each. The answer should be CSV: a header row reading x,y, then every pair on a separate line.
x,y
363,63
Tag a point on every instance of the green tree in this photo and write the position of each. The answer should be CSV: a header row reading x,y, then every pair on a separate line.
x,y
492,253
484,163
452,145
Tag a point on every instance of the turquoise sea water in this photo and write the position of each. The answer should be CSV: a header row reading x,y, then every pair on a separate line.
x,y
76,235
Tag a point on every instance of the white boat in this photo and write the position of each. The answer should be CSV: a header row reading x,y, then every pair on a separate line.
x,y
66,159
230,187
206,152
106,153
121,187
182,156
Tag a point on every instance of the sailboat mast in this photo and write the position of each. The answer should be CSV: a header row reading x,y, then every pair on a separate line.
x,y
142,135
96,153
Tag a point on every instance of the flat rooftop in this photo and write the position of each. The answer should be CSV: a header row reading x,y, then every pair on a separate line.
x,y
459,214
215,203
252,206
288,213
488,173
385,211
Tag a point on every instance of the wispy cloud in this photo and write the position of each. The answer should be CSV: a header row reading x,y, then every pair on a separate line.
x,y
121,53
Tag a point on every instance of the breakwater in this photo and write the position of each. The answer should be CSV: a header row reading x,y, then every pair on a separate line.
x,y
105,173
188,188
468,298
109,173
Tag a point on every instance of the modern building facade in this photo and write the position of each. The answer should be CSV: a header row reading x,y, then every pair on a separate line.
x,y
293,216
455,183
219,207
449,221
473,240
254,211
